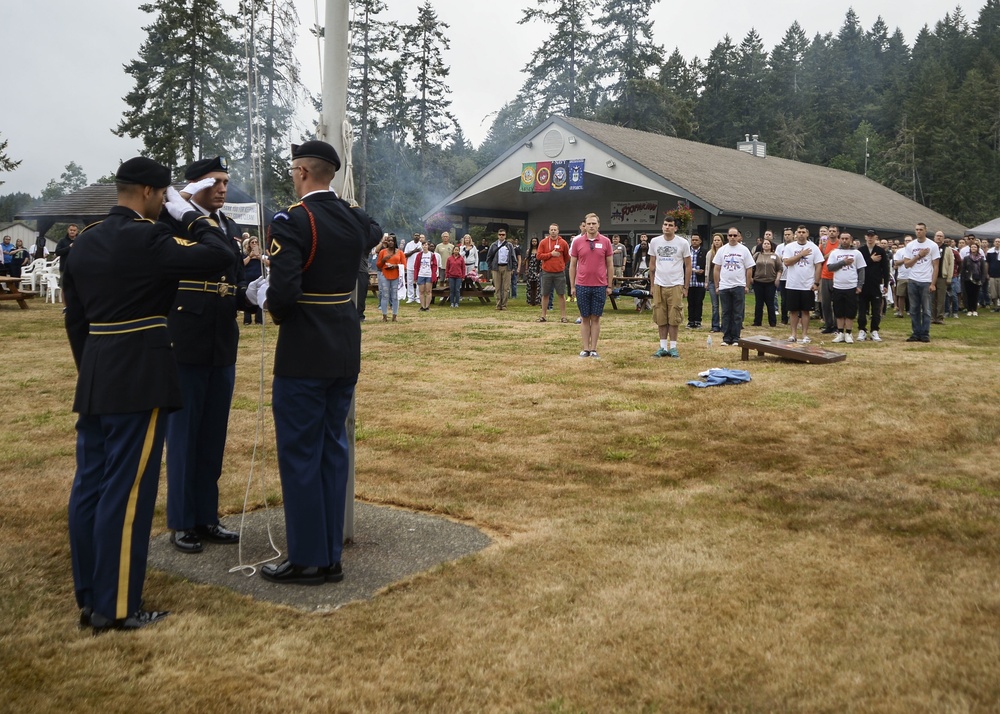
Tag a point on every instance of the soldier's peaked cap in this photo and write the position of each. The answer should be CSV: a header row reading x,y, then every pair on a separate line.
x,y
316,150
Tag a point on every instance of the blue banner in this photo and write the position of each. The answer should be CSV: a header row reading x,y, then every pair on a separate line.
x,y
576,175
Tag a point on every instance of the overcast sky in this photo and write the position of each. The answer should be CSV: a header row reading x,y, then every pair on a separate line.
x,y
63,82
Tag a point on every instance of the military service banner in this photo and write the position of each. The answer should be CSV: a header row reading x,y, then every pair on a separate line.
x,y
547,176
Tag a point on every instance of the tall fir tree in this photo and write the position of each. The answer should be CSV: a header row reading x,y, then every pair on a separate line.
x,y
423,45
7,164
188,85
562,69
717,121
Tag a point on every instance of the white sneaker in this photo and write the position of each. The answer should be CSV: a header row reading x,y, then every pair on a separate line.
x,y
848,339
875,337
975,314
584,353
840,337
790,340
805,340
862,335
968,314
593,353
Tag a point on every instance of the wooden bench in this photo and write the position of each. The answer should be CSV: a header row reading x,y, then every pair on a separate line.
x,y
14,287
810,353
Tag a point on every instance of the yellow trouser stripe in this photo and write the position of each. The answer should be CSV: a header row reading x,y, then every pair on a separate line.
x,y
125,556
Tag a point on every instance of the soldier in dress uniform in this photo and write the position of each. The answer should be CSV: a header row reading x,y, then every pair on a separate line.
x,y
120,281
206,335
316,247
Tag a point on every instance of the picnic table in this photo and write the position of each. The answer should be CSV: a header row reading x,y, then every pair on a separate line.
x,y
810,353
640,283
13,291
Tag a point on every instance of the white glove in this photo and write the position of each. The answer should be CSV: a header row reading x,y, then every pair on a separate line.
x,y
196,186
257,291
175,205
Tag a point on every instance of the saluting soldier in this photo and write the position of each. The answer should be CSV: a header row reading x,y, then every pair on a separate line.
x,y
316,246
206,335
120,281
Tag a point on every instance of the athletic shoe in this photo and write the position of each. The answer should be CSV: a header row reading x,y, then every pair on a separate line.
x,y
662,353
875,337
925,338
790,339
727,344
862,335
805,340
975,313
828,330
672,352
579,320
584,353
839,337
913,338
593,353
968,314
849,339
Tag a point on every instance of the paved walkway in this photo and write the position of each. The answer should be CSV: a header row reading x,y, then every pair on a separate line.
x,y
390,544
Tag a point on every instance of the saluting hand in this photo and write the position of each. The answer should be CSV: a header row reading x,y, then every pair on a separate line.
x,y
196,186
175,205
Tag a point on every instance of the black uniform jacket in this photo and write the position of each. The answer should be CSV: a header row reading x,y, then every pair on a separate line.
x,y
877,272
312,275
203,323
125,268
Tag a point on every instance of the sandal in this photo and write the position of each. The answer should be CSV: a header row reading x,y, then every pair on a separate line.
x,y
564,319
541,319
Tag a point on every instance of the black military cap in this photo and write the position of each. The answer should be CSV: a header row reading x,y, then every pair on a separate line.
x,y
143,171
316,150
205,167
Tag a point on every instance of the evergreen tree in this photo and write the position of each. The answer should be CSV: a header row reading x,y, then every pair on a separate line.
x,y
12,203
372,44
423,43
187,83
628,58
717,121
750,96
561,69
683,82
275,89
6,163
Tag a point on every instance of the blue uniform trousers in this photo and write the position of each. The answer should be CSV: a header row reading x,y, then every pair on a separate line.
x,y
111,508
196,441
310,427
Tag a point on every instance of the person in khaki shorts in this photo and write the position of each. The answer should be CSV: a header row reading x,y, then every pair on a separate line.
x,y
670,270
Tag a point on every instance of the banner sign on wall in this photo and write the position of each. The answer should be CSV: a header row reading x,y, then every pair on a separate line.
x,y
245,214
633,213
547,176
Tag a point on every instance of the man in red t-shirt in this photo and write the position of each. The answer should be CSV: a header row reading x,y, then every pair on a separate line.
x,y
590,269
553,252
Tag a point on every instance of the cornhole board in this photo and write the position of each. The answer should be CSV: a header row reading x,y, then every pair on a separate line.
x,y
810,353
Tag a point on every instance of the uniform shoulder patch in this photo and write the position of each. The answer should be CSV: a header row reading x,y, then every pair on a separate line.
x,y
275,247
184,242
280,216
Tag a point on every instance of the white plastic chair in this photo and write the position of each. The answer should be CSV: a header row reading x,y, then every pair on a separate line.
x,y
53,289
30,273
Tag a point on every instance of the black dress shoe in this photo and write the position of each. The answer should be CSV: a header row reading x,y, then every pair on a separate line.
x,y
217,534
186,541
334,573
85,615
135,621
293,574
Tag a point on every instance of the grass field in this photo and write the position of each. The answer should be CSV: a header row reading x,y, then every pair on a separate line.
x,y
825,538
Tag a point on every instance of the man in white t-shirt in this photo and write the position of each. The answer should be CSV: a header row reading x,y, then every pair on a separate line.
x,y
923,259
803,262
670,268
733,271
848,267
410,250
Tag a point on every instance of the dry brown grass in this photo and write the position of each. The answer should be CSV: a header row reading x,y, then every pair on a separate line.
x,y
770,547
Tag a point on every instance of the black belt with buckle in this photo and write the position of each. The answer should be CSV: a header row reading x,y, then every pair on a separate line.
x,y
199,286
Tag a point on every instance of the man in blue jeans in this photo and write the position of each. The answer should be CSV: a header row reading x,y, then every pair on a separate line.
x,y
733,273
923,259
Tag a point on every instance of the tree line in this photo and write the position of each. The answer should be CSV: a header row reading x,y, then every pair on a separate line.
x,y
922,119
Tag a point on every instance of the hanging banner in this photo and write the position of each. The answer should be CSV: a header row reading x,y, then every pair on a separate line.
x,y
576,175
633,213
543,176
560,176
245,214
527,178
